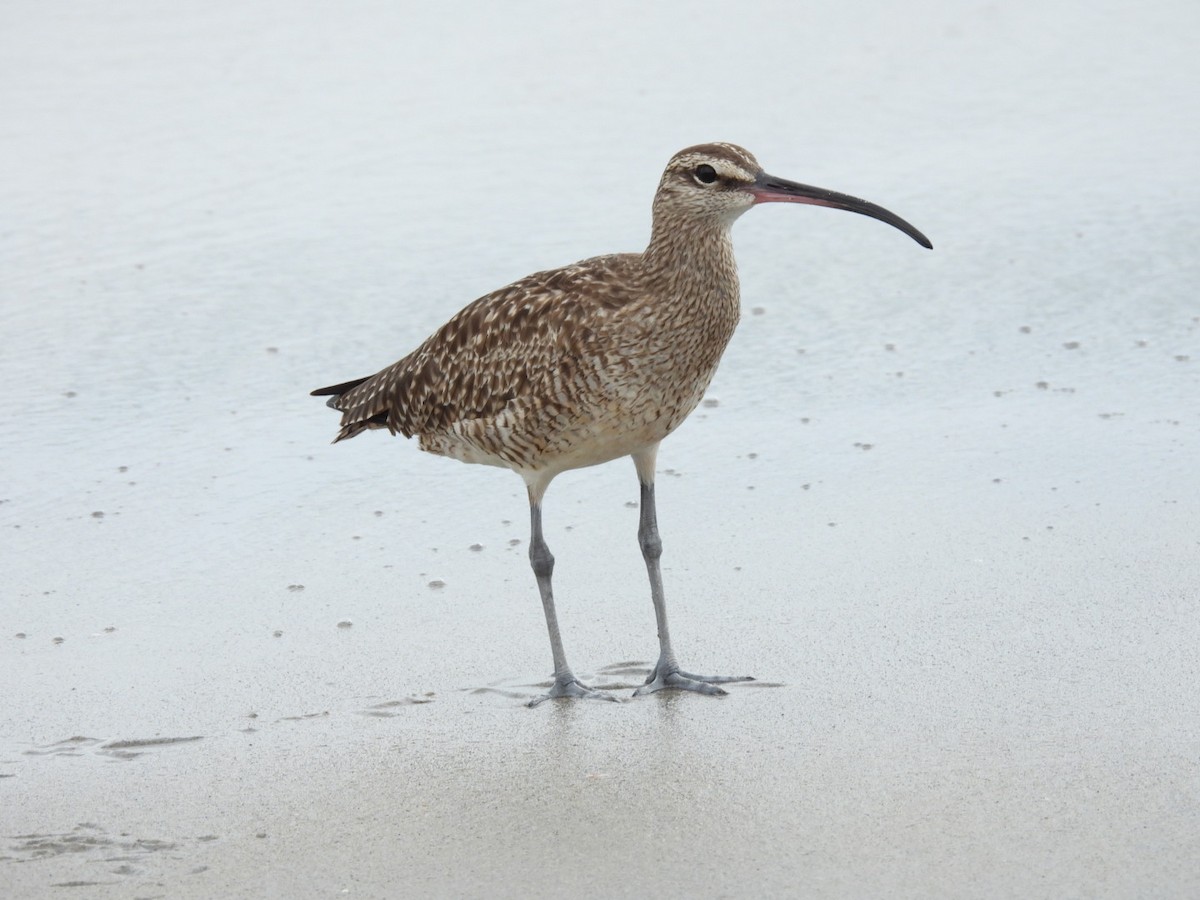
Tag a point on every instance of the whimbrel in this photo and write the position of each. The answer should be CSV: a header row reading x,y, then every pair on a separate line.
x,y
577,366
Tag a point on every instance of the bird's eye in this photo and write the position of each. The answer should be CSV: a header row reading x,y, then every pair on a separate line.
x,y
705,174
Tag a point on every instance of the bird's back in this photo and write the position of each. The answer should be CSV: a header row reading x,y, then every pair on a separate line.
x,y
538,341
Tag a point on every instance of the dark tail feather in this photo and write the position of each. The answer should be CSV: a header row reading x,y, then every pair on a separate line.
x,y
334,393
338,389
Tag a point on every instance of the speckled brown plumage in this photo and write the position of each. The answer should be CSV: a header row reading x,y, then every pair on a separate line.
x,y
604,358
578,365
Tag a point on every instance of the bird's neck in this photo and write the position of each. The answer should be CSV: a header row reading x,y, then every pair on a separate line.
x,y
692,259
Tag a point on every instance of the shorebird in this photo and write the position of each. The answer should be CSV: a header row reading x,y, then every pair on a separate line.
x,y
581,365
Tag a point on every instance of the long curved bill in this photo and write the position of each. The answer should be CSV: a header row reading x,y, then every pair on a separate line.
x,y
769,189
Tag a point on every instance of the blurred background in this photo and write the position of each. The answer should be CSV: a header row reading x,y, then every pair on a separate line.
x,y
948,498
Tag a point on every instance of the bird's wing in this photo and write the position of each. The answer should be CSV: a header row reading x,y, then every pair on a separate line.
x,y
517,340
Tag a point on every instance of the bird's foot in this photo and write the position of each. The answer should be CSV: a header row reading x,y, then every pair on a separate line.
x,y
569,686
664,677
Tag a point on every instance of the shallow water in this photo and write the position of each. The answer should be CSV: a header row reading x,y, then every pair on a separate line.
x,y
942,504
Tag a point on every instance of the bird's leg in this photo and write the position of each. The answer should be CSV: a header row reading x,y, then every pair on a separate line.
x,y
666,673
565,682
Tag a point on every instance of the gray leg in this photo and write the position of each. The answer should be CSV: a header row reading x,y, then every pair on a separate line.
x,y
565,683
666,672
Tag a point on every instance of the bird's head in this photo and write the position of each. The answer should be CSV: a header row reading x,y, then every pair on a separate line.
x,y
721,181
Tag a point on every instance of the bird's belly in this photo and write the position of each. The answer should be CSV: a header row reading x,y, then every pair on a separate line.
x,y
555,437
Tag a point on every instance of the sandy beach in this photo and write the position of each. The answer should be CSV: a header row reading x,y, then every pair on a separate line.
x,y
943,505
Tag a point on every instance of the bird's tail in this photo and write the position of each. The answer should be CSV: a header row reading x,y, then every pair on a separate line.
x,y
334,393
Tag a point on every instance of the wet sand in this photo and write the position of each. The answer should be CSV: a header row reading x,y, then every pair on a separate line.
x,y
943,505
